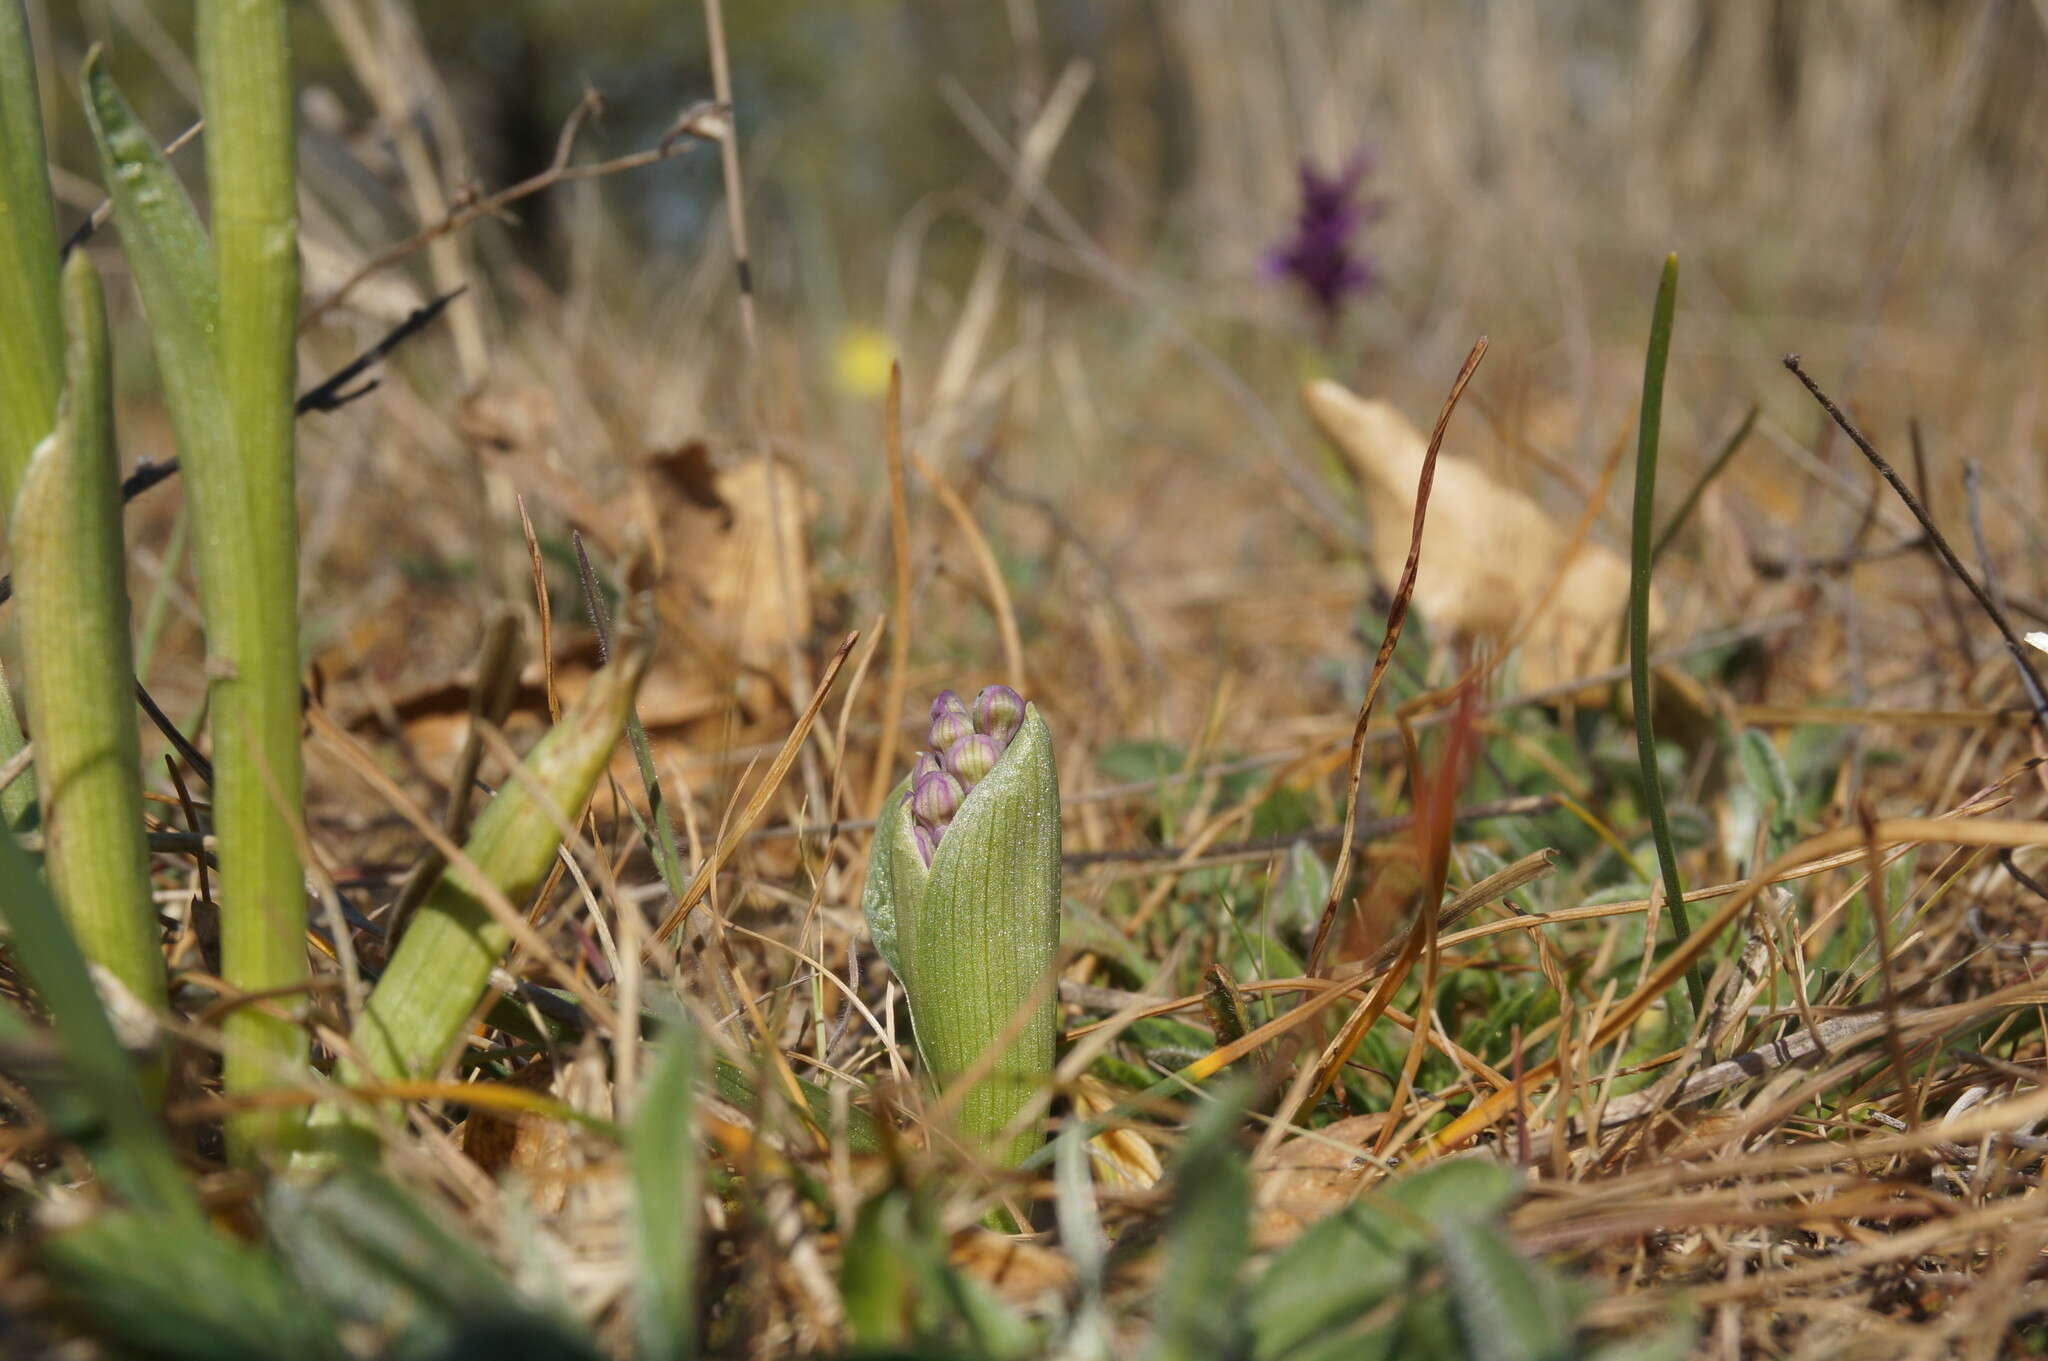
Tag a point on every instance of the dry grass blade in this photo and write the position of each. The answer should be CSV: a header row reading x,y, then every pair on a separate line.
x,y
1397,614
736,831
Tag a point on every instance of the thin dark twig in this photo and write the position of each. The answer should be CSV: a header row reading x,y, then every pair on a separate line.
x,y
1397,615
200,765
701,121
2020,876
326,396
329,396
2037,697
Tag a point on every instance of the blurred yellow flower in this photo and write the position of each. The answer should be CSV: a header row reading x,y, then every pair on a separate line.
x,y
861,360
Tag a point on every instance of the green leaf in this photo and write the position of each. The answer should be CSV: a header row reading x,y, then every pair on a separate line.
x,y
1508,1307
1355,1260
1300,889
876,1279
135,1157
167,252
1199,1313
894,868
978,946
177,1288
72,579
1770,784
443,964
661,1151
372,1254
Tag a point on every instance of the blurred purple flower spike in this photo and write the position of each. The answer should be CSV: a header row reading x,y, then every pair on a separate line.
x,y
1321,256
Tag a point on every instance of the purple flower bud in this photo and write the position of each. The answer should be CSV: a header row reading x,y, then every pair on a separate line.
x,y
927,842
949,727
935,798
999,712
948,702
972,757
924,765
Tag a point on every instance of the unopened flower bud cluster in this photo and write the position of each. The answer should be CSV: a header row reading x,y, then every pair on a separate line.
x,y
964,745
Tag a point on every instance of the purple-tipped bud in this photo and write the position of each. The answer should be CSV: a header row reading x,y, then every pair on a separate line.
x,y
935,798
949,727
924,765
972,757
948,702
927,842
999,712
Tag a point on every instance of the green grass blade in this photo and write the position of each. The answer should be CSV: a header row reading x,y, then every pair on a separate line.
x,y
1651,421
661,1149
132,1153
415,1014
71,580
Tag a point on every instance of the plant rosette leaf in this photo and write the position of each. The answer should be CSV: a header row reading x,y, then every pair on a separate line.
x,y
963,901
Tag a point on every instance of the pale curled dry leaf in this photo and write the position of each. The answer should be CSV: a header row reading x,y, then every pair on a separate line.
x,y
1491,556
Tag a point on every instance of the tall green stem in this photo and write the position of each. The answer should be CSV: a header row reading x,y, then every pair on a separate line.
x,y
1642,542
71,576
32,338
247,521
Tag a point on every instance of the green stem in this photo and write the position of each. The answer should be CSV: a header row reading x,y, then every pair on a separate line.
x,y
1644,527
248,531
32,338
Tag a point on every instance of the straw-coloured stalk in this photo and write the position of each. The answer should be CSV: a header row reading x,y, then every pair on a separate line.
x,y
31,341
415,1014
69,572
963,900
223,319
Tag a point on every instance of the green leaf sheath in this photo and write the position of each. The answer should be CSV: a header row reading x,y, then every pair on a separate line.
x,y
979,944
443,964
72,580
